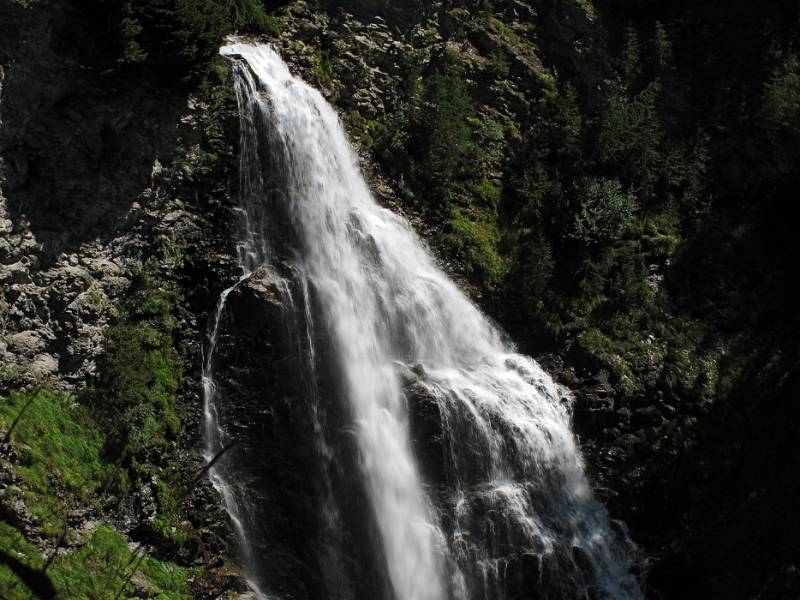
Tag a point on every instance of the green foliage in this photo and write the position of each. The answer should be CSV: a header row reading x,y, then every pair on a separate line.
x,y
184,34
663,47
129,29
140,372
392,134
102,567
59,465
782,95
448,143
166,523
57,439
475,238
59,451
250,15
611,207
631,135
98,570
631,63
15,544
605,212
198,27
569,116
169,579
498,64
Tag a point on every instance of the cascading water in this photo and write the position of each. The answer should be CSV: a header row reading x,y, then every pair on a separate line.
x,y
511,501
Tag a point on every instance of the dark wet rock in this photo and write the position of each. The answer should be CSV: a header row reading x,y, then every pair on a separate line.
x,y
296,464
523,576
426,427
646,416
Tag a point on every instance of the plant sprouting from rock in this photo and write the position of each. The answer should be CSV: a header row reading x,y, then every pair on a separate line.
x,y
605,211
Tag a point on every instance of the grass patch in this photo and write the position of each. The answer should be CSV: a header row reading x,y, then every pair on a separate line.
x,y
59,450
105,564
99,569
56,439
475,237
134,398
13,543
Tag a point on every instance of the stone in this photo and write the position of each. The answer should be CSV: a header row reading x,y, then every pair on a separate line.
x,y
27,343
646,416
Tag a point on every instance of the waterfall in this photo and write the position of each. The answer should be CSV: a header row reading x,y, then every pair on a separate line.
x,y
508,500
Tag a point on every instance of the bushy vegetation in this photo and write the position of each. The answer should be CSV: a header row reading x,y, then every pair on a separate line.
x,y
580,218
104,568
605,212
177,38
632,215
85,454
134,397
60,467
105,565
59,454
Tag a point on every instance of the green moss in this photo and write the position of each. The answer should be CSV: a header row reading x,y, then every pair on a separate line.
x,y
98,570
13,543
102,567
140,370
509,35
169,579
59,452
60,466
475,237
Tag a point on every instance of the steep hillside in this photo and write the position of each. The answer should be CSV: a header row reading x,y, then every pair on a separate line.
x,y
611,181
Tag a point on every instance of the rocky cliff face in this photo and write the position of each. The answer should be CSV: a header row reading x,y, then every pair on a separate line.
x,y
108,169
296,463
104,172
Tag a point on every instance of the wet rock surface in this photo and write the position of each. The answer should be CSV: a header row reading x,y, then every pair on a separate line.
x,y
295,465
99,173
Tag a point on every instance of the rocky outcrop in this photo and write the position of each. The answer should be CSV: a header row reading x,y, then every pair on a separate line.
x,y
85,193
104,170
295,467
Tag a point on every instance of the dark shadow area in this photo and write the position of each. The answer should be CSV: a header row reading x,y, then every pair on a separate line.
x,y
80,131
736,492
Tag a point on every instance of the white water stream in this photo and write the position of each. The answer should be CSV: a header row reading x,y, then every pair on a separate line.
x,y
515,475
